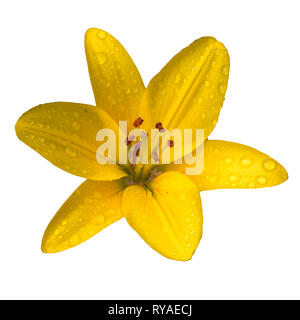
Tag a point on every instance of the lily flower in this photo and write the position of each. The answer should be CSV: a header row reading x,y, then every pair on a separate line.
x,y
160,202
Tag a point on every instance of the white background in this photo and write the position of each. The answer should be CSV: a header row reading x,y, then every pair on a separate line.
x,y
250,247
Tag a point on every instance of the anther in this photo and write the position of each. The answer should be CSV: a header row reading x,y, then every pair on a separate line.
x,y
129,140
138,122
159,126
171,143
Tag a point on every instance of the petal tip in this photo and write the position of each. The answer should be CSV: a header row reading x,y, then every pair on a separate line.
x,y
93,33
282,175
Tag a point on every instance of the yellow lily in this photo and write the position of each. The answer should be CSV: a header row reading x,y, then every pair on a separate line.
x,y
160,203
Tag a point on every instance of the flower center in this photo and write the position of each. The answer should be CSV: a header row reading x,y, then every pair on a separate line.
x,y
142,173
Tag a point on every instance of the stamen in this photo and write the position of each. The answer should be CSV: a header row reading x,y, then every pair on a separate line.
x,y
155,156
171,143
129,140
138,122
159,126
135,153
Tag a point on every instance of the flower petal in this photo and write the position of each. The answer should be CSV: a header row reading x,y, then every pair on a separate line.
x,y
233,165
116,81
92,207
65,134
167,214
189,91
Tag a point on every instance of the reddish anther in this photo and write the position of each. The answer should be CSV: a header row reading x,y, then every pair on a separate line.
x,y
171,143
138,122
159,126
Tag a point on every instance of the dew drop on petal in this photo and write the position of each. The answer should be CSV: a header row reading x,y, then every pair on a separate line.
x,y
269,165
102,57
99,219
222,88
75,125
178,78
234,177
101,34
228,160
261,180
251,185
225,71
75,239
246,162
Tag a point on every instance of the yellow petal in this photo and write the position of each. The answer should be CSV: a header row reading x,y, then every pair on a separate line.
x,y
92,207
65,134
167,214
233,165
189,91
116,82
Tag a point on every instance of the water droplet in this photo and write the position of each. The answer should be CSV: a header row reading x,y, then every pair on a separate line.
x,y
234,177
246,162
269,165
225,71
52,146
99,219
207,83
228,160
102,57
261,180
222,88
101,34
75,239
178,78
64,222
70,152
75,125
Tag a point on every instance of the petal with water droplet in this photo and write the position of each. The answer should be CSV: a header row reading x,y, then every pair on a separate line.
x,y
116,82
167,214
65,134
93,206
189,91
235,166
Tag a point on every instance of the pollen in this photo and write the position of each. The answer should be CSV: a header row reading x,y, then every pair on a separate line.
x,y
138,122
